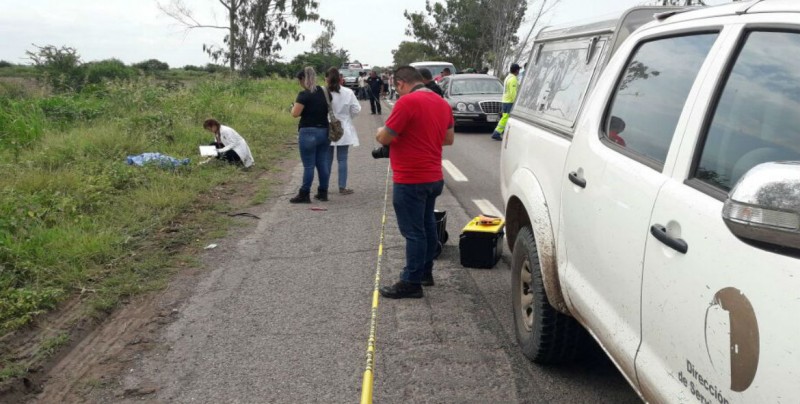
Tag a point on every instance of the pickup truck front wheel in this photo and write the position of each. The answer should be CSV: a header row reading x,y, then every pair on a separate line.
x,y
545,335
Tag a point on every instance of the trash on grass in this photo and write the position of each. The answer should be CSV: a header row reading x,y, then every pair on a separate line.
x,y
210,246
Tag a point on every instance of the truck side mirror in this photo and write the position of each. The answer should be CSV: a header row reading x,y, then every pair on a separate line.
x,y
764,206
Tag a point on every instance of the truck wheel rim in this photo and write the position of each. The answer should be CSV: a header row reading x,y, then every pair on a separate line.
x,y
526,295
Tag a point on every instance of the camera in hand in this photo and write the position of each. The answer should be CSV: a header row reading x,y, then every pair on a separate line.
x,y
381,152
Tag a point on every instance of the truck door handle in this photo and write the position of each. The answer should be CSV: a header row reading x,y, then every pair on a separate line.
x,y
575,179
660,232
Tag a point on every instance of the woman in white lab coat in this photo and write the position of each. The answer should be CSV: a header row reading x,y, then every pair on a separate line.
x,y
345,107
230,145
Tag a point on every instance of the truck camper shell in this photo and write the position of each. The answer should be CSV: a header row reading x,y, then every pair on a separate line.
x,y
565,62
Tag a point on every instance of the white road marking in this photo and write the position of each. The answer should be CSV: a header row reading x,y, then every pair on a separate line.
x,y
487,208
454,172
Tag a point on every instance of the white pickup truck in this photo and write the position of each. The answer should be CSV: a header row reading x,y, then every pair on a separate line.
x,y
652,194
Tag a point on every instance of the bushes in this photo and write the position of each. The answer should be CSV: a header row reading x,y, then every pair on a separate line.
x,y
152,66
111,69
62,69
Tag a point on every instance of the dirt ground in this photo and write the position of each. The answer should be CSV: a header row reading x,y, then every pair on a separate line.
x,y
92,363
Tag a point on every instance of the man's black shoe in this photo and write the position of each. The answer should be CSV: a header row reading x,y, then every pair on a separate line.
x,y
428,280
402,290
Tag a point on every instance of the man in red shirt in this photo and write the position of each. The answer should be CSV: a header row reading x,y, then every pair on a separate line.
x,y
419,125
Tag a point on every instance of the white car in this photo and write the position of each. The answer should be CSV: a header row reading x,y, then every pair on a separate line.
x,y
652,190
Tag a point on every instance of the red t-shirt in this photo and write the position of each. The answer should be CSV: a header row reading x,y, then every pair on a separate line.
x,y
419,122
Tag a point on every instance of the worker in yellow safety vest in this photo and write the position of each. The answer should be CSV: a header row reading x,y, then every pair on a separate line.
x,y
509,96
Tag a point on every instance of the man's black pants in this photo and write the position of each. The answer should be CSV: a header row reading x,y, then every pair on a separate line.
x,y
374,102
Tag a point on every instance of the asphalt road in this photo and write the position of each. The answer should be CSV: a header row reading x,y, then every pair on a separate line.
x,y
283,317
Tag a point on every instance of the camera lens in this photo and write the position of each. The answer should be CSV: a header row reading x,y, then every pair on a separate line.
x,y
381,152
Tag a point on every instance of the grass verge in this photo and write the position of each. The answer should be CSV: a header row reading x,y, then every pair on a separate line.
x,y
77,221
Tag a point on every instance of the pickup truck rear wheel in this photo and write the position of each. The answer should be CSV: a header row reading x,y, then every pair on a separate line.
x,y
545,335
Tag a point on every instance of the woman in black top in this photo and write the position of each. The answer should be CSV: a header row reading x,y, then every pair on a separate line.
x,y
312,108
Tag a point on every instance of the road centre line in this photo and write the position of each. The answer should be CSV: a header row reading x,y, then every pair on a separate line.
x,y
454,172
487,208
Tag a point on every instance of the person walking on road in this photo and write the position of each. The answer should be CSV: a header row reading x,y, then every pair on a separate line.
x,y
385,85
427,79
509,96
312,109
362,86
374,87
231,146
345,107
418,126
392,90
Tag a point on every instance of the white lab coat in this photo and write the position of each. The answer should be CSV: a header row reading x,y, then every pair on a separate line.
x,y
345,108
232,140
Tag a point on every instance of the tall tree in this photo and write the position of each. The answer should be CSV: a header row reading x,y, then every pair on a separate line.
x,y
408,52
455,30
504,17
469,33
255,28
324,42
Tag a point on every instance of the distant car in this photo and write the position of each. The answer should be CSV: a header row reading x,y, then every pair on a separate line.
x,y
350,78
475,99
436,68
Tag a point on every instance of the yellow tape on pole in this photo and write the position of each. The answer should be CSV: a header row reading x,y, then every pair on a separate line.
x,y
369,376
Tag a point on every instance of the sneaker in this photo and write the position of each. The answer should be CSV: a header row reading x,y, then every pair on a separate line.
x,y
428,280
402,290
345,191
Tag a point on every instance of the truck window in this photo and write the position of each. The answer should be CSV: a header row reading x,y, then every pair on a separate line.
x,y
651,93
556,91
757,117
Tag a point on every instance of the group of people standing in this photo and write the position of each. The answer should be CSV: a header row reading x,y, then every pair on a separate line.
x,y
419,125
373,87
317,151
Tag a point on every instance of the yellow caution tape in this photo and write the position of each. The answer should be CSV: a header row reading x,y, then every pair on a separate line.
x,y
369,372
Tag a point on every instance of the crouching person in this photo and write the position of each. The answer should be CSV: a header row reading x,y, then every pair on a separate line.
x,y
231,146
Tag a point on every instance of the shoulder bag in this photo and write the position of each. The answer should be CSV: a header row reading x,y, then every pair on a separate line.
x,y
335,129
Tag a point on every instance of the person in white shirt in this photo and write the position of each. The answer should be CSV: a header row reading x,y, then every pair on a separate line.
x,y
230,145
345,107
362,85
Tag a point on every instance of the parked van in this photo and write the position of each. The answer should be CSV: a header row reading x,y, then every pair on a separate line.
x,y
651,178
436,68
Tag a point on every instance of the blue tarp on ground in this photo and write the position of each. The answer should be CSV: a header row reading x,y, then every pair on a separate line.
x,y
156,158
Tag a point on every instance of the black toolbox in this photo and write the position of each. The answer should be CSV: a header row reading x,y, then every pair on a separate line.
x,y
481,244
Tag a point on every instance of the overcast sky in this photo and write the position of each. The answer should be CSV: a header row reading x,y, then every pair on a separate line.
x,y
135,30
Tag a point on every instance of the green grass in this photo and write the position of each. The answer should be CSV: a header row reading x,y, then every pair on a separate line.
x,y
75,218
18,71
